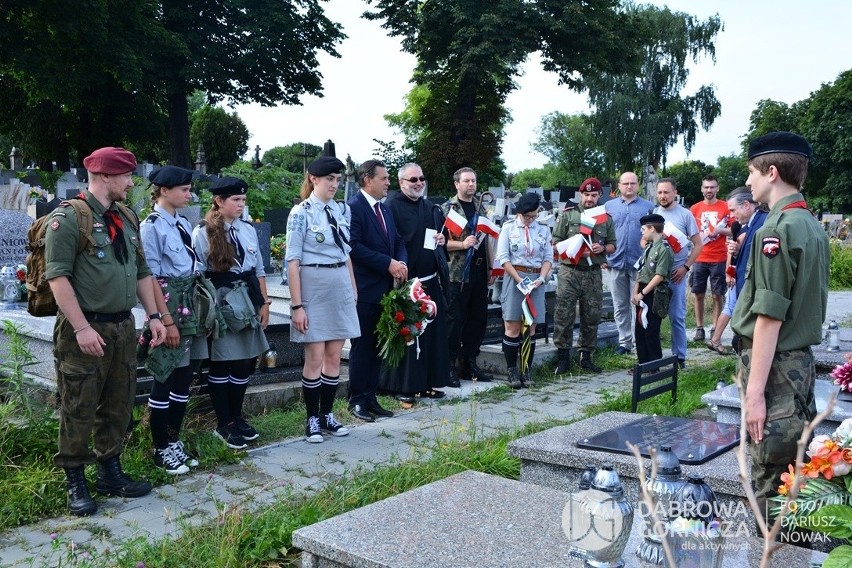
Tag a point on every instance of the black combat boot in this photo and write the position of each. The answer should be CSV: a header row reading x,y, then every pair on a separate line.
x,y
80,503
587,363
113,481
515,378
454,381
564,361
476,373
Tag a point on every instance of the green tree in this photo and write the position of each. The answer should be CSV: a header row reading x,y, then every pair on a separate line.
x,y
292,157
394,158
827,124
732,172
640,114
548,176
224,136
468,54
567,140
688,176
78,91
771,116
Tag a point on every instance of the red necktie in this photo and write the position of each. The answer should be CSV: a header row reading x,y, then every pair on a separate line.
x,y
115,229
381,220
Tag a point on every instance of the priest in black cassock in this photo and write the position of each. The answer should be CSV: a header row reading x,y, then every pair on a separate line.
x,y
413,214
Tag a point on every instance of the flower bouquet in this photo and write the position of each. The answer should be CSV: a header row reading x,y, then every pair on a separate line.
x,y
21,275
406,311
842,375
824,502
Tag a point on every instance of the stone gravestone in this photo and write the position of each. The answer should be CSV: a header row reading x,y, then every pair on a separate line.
x,y
277,218
192,213
68,186
264,234
13,240
42,208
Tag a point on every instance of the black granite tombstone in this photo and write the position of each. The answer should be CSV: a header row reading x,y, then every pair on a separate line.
x,y
45,207
693,441
277,219
264,235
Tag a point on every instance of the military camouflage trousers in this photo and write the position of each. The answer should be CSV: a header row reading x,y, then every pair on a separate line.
x,y
96,394
790,404
585,287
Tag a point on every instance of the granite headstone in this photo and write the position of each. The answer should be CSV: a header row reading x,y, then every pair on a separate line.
x,y
44,207
13,239
264,235
192,213
277,218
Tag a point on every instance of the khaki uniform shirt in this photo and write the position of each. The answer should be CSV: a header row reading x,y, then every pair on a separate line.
x,y
569,225
786,277
657,258
100,282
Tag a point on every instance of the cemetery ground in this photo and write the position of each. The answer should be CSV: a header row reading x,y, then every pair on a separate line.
x,y
240,509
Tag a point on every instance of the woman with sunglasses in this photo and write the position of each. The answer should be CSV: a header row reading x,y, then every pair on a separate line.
x,y
525,253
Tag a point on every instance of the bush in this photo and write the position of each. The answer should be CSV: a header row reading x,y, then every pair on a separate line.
x,y
841,266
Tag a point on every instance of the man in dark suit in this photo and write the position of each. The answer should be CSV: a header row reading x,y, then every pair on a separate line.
x,y
378,259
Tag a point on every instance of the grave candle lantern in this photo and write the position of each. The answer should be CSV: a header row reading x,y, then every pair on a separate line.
x,y
663,487
10,284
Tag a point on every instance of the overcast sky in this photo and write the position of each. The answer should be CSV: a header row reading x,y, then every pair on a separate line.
x,y
777,49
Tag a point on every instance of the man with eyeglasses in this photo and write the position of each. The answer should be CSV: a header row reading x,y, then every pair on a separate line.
x,y
581,282
625,211
425,365
470,258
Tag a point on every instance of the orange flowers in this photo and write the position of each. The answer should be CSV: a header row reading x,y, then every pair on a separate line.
x,y
828,459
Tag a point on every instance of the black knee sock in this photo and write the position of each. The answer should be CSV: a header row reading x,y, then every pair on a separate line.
x,y
159,412
178,399
328,390
218,388
311,393
510,350
237,387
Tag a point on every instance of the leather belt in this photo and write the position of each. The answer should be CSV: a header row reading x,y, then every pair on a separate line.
x,y
94,317
583,267
527,269
334,265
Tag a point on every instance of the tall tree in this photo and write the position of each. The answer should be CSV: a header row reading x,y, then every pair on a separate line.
x,y
468,54
640,114
731,171
292,157
688,175
224,136
770,116
568,141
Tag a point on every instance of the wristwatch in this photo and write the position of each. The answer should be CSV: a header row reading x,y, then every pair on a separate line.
x,y
155,316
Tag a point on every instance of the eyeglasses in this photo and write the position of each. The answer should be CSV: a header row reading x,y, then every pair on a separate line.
x,y
530,216
413,179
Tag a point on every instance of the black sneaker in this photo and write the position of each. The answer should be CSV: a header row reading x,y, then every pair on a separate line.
x,y
332,426
622,350
180,453
166,459
231,437
313,433
245,429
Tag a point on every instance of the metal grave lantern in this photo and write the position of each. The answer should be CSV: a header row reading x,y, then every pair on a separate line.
x,y
663,487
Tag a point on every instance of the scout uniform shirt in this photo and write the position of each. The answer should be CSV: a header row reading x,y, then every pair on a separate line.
x,y
776,287
101,283
656,259
246,234
523,247
569,225
310,237
166,253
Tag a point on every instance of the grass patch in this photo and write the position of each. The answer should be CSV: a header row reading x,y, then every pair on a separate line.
x,y
691,384
241,537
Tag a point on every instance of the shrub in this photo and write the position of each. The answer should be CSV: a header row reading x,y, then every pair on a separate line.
x,y
841,266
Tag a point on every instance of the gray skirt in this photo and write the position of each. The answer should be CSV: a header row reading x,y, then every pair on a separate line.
x,y
247,343
511,298
329,303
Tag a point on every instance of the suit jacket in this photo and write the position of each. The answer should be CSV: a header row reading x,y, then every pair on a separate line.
x,y
745,250
373,250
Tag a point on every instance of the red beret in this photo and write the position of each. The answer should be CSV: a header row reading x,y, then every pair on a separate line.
x,y
590,185
110,161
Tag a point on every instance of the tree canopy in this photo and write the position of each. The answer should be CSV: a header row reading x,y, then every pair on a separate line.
x,y
568,141
224,136
292,157
468,54
89,74
640,114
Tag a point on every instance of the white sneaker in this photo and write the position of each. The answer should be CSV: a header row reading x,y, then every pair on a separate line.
x,y
180,453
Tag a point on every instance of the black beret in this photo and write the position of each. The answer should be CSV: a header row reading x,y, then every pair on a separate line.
x,y
527,203
228,185
652,218
325,165
170,176
780,143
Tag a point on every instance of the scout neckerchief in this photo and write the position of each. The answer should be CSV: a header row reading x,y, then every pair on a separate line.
x,y
339,238
238,248
115,228
184,236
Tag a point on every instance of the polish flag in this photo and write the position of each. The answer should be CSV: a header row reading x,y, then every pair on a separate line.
x,y
598,213
455,222
487,226
571,249
497,268
587,224
675,237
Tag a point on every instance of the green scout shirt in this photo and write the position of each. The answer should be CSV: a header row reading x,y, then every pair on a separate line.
x,y
657,258
100,282
455,259
569,225
786,277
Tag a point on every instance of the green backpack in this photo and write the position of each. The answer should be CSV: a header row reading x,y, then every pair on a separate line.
x,y
40,300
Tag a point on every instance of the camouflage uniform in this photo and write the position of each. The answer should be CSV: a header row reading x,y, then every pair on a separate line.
x,y
581,282
96,393
786,280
